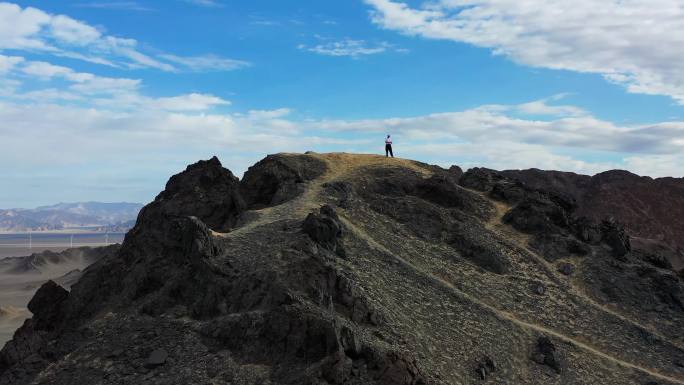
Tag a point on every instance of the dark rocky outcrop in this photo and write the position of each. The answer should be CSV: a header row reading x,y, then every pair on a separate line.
x,y
46,306
277,179
614,235
455,173
325,229
485,367
480,179
650,209
205,190
545,354
30,343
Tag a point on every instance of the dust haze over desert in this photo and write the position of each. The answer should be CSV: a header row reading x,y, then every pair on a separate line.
x,y
361,192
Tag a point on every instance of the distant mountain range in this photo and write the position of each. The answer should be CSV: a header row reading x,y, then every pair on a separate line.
x,y
94,215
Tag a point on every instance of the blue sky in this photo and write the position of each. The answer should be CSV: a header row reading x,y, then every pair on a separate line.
x,y
104,100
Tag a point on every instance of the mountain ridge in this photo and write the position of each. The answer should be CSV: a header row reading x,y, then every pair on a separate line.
x,y
651,209
357,269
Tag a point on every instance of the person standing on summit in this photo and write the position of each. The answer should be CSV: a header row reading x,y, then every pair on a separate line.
x,y
388,147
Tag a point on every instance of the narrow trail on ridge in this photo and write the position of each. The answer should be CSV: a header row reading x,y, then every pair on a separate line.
x,y
340,165
500,313
496,225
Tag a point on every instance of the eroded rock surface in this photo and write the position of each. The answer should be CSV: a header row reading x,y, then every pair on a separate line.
x,y
350,269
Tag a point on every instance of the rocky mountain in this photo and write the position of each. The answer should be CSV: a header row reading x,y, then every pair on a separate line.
x,y
650,209
69,215
357,269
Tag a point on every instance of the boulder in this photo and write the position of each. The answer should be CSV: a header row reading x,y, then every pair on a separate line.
x,y
325,229
46,306
156,358
545,354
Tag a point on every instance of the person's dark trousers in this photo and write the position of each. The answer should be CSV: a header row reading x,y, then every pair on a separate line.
x,y
388,150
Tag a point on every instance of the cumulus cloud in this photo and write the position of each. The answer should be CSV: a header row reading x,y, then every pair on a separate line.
x,y
498,136
98,91
497,122
60,35
634,43
19,28
347,47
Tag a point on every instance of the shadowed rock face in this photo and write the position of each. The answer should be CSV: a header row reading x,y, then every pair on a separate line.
x,y
205,190
277,179
650,209
352,269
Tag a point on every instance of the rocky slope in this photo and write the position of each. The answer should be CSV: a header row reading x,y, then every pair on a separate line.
x,y
651,209
357,269
20,278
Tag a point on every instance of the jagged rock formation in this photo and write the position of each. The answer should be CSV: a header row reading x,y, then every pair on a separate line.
x,y
357,269
205,190
650,209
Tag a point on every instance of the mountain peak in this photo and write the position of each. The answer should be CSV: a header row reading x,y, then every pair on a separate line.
x,y
359,269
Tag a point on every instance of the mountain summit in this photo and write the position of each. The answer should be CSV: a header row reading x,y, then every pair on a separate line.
x,y
358,269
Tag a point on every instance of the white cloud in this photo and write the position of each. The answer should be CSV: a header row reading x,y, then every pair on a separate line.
x,y
85,83
119,94
503,155
190,102
347,47
19,28
60,35
495,136
659,165
105,85
33,29
7,63
542,107
44,70
635,43
495,122
206,63
70,31
268,114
